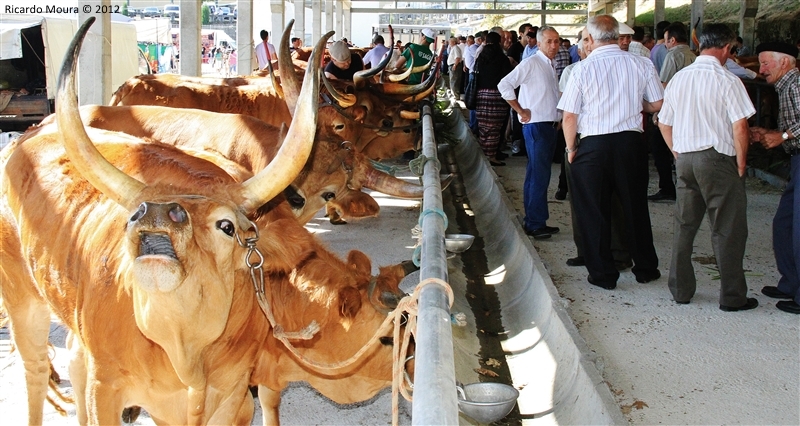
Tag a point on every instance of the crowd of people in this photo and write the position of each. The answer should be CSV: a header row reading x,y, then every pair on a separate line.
x,y
599,107
601,101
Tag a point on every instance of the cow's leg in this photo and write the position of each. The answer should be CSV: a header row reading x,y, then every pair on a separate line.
x,y
102,400
270,401
77,376
29,324
30,327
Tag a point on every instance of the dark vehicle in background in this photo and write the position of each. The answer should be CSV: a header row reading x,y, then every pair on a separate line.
x,y
224,14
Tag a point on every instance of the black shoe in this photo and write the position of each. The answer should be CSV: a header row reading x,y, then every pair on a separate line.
x,y
540,234
682,302
622,265
496,163
661,196
561,194
601,284
522,153
551,229
576,261
788,306
500,156
751,303
773,292
646,278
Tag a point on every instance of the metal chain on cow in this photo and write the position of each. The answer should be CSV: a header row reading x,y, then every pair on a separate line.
x,y
409,305
418,164
257,277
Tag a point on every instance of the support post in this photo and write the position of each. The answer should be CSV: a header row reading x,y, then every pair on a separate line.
x,y
747,23
245,49
658,15
339,17
631,12
94,66
346,22
299,29
277,19
316,21
328,16
191,16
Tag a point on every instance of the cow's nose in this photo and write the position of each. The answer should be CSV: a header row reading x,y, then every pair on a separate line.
x,y
177,213
141,211
387,123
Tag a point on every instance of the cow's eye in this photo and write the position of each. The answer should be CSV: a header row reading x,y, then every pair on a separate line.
x,y
327,196
338,127
226,226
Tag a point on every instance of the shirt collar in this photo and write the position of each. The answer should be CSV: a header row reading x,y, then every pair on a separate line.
x,y
787,78
607,48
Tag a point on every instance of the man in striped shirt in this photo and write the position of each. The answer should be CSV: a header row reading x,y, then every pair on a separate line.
x,y
779,67
709,139
603,101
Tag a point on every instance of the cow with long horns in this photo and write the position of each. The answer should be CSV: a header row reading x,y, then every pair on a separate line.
x,y
137,248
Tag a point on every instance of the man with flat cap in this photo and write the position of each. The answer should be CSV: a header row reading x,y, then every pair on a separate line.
x,y
343,64
779,67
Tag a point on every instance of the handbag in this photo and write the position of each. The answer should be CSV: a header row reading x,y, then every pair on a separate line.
x,y
471,92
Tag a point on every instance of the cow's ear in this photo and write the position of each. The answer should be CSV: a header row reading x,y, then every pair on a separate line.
x,y
349,302
359,262
359,113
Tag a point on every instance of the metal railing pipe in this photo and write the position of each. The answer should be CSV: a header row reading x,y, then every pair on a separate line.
x,y
435,400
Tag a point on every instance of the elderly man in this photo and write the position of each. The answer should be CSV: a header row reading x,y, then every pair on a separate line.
x,y
536,109
455,67
678,57
710,142
343,65
603,101
779,67
418,54
625,36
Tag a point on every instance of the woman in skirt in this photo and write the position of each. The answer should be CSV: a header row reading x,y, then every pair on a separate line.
x,y
491,110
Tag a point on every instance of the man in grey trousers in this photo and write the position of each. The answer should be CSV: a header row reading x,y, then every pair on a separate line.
x,y
709,141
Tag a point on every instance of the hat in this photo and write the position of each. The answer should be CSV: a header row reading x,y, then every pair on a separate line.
x,y
777,46
429,34
625,29
340,51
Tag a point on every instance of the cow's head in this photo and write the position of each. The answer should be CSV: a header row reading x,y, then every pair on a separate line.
x,y
181,233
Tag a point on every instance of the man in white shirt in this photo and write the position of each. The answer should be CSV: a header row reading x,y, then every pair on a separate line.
x,y
454,64
265,52
709,141
536,109
374,56
603,101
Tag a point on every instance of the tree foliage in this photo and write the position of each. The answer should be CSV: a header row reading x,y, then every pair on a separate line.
x,y
206,15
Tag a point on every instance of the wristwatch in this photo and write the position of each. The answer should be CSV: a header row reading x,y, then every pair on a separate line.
x,y
785,136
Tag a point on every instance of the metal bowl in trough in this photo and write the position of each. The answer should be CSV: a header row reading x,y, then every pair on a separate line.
x,y
457,243
486,402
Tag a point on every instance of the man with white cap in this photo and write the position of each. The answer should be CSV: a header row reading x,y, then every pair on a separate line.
x,y
342,65
625,36
417,54
779,67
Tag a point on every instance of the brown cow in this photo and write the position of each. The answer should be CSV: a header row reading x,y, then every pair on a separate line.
x,y
98,281
134,247
332,172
